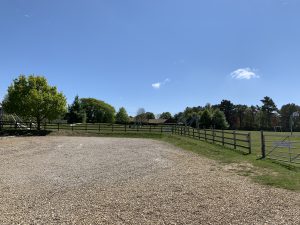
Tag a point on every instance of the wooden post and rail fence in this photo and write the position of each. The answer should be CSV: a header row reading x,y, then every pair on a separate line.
x,y
282,147
231,139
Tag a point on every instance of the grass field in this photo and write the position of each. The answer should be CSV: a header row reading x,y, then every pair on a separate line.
x,y
263,171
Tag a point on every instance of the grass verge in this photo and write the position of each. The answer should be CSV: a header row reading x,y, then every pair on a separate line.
x,y
265,172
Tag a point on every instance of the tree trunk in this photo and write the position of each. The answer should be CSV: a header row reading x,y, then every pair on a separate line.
x,y
38,121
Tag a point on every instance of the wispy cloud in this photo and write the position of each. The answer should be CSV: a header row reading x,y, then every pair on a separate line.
x,y
244,73
159,84
27,15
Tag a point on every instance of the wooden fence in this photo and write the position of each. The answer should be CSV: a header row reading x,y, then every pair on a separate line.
x,y
88,127
231,139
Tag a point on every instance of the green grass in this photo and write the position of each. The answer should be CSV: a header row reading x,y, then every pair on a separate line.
x,y
263,171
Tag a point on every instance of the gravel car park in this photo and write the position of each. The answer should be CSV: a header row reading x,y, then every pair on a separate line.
x,y
92,180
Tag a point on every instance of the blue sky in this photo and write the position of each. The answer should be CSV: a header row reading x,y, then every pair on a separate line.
x,y
162,55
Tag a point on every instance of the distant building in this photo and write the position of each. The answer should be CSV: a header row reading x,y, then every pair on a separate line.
x,y
154,121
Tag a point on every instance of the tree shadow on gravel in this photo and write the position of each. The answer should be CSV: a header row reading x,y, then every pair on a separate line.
x,y
24,133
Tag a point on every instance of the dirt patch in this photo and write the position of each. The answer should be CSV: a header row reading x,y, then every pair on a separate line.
x,y
89,180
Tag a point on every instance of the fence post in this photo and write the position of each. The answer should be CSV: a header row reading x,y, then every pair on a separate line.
x,y
58,126
112,127
223,139
72,127
30,126
161,129
199,134
125,127
181,130
99,128
263,145
213,134
249,142
205,135
193,133
234,139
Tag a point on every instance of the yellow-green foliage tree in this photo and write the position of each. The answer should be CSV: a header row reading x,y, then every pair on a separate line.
x,y
33,98
97,111
122,116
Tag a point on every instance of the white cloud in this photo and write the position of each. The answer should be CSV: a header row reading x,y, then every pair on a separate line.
x,y
244,73
27,15
156,85
159,84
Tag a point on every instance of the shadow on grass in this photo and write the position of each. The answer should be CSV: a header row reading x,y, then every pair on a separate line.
x,y
240,151
285,165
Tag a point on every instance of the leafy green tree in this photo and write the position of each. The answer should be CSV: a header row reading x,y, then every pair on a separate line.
x,y
285,112
165,115
122,116
191,116
268,108
239,114
227,107
205,119
178,117
98,111
219,120
249,118
149,115
141,116
33,98
76,114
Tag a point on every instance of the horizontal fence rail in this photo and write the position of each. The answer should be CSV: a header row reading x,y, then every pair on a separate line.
x,y
91,127
231,139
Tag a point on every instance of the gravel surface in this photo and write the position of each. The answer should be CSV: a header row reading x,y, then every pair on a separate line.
x,y
90,180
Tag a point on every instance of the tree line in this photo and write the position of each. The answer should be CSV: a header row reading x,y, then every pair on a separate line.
x,y
32,98
260,117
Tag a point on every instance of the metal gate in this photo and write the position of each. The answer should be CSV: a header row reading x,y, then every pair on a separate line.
x,y
281,147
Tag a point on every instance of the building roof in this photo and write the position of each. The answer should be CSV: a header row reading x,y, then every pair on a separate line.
x,y
151,121
157,121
